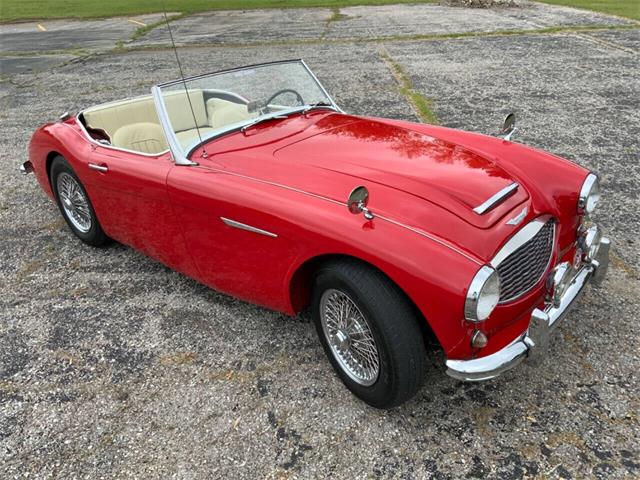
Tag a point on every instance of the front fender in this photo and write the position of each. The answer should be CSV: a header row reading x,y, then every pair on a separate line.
x,y
434,276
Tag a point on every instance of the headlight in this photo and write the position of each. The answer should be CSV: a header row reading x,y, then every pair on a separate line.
x,y
483,295
589,194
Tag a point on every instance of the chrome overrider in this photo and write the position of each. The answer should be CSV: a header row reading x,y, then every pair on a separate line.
x,y
569,284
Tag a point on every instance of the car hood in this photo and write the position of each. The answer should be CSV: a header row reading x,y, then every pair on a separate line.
x,y
444,173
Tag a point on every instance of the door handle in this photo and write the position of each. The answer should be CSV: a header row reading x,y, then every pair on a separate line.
x,y
100,168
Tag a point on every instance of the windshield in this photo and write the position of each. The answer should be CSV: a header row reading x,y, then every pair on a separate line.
x,y
223,101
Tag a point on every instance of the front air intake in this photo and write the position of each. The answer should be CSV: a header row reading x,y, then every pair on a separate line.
x,y
523,268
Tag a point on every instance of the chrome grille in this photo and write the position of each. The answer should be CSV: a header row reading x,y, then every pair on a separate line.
x,y
522,270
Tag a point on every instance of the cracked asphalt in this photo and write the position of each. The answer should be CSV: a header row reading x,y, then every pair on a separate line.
x,y
113,366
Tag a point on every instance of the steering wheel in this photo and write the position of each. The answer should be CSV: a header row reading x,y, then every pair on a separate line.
x,y
299,98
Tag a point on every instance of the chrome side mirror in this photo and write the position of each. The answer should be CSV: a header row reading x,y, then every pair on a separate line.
x,y
509,126
358,201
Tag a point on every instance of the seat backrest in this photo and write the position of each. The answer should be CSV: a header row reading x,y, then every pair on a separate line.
x,y
179,110
145,137
111,116
223,112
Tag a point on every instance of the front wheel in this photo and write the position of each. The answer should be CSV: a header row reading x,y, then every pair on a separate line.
x,y
370,332
74,204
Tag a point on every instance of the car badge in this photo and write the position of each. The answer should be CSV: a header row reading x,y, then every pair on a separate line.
x,y
518,218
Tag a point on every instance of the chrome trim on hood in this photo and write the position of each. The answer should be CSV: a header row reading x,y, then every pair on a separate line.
x,y
418,231
496,199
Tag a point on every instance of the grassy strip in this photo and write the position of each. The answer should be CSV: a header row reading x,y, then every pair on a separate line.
x,y
396,38
621,8
141,31
336,16
78,52
122,47
12,10
420,104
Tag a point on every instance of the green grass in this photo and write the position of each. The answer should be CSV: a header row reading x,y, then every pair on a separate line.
x,y
420,104
141,31
622,8
11,10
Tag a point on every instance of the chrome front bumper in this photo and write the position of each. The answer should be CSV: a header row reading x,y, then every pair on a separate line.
x,y
534,341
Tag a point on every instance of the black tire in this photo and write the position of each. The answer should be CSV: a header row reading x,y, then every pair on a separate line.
x,y
94,235
392,321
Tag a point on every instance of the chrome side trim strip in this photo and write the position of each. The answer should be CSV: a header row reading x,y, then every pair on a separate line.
x,y
327,199
430,237
249,228
275,184
100,168
496,199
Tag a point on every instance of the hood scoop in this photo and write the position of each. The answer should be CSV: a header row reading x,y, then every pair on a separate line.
x,y
496,199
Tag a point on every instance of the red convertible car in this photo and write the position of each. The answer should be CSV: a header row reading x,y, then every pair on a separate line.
x,y
255,183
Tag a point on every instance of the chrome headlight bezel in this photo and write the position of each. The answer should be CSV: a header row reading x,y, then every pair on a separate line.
x,y
589,194
483,295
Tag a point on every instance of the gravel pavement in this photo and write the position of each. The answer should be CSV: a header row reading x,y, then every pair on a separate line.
x,y
113,366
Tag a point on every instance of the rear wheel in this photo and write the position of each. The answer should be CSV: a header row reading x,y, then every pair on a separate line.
x,y
370,332
74,204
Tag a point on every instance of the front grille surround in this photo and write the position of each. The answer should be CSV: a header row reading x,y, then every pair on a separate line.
x,y
524,260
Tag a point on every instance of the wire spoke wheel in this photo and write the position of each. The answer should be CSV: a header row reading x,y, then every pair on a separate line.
x,y
349,337
74,202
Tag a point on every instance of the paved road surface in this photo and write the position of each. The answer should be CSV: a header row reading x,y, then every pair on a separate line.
x,y
112,365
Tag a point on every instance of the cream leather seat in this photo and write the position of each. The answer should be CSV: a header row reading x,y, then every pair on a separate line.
x,y
133,124
222,112
145,137
111,116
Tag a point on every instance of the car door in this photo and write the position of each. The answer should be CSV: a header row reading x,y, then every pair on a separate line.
x,y
129,194
239,242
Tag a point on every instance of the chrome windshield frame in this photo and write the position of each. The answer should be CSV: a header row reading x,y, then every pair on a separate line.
x,y
179,158
180,155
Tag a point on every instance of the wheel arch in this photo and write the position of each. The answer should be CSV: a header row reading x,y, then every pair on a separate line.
x,y
301,284
49,160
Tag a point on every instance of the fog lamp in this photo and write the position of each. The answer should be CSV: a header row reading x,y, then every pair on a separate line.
x,y
557,282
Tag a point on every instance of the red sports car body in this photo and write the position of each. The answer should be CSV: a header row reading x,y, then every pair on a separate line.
x,y
257,208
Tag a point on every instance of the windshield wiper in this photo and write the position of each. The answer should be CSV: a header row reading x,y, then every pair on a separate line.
x,y
316,105
260,120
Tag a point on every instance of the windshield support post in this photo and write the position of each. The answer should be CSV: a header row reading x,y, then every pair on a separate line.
x,y
172,140
320,85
